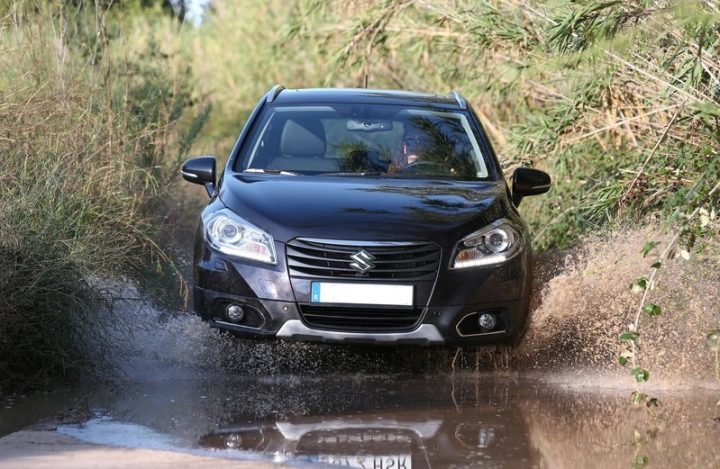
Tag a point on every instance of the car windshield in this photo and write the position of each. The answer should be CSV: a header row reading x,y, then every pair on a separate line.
x,y
372,140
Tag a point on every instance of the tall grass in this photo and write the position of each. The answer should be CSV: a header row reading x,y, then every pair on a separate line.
x,y
89,142
617,100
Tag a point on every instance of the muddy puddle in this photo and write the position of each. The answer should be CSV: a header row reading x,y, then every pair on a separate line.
x,y
389,421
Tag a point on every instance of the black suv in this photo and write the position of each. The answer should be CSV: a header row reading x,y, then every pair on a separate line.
x,y
355,215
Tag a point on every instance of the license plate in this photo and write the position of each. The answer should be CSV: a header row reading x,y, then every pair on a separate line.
x,y
378,294
366,462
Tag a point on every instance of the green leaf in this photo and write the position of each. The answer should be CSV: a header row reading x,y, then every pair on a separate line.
x,y
628,336
652,309
625,357
640,374
708,109
639,285
656,265
649,246
641,460
638,397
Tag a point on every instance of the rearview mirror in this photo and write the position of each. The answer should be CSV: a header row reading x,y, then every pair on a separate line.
x,y
528,181
201,170
372,125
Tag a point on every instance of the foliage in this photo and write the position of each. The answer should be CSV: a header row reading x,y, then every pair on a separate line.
x,y
89,141
618,101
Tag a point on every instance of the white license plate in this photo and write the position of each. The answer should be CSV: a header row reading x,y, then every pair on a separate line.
x,y
362,294
367,462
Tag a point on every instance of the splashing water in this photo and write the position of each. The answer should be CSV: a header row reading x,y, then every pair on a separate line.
x,y
164,344
588,303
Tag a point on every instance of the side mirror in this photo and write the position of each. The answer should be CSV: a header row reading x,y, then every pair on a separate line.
x,y
528,181
201,170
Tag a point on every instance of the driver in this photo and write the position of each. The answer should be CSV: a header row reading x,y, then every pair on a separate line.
x,y
413,146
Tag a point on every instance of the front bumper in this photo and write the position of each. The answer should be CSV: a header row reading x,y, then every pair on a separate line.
x,y
437,326
447,308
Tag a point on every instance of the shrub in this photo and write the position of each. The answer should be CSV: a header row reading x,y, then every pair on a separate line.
x,y
89,140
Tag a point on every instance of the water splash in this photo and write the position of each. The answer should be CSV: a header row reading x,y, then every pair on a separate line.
x,y
588,302
163,344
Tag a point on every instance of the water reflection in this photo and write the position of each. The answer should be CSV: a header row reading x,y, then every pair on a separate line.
x,y
488,435
392,421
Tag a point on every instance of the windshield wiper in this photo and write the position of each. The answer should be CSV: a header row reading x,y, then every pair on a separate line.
x,y
365,174
270,171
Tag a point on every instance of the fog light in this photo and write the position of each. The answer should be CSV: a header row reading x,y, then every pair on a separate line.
x,y
487,321
235,313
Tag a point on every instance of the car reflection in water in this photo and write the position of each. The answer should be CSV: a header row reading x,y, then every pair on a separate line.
x,y
488,436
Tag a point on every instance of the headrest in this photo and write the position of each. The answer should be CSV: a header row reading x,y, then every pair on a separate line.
x,y
303,140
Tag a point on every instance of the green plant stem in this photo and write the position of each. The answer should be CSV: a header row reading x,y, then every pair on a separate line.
x,y
653,275
649,157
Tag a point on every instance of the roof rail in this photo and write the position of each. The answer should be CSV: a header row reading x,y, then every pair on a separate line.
x,y
274,92
459,99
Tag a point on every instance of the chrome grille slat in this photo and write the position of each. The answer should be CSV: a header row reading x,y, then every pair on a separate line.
x,y
333,268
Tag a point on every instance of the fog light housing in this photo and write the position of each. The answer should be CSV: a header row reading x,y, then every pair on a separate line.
x,y
235,313
487,321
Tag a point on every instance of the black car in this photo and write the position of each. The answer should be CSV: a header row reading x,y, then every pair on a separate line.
x,y
366,216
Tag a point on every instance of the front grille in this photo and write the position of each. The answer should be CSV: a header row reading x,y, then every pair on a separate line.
x,y
392,261
360,318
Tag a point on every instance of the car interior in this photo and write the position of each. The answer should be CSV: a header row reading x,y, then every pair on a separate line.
x,y
302,148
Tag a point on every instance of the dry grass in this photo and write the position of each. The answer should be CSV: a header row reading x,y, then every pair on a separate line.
x,y
89,140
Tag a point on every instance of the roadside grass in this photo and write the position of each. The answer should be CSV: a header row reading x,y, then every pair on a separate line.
x,y
90,139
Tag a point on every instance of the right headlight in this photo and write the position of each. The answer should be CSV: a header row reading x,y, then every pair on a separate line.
x,y
493,244
234,236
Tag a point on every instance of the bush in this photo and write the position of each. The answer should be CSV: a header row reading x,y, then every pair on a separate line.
x,y
89,141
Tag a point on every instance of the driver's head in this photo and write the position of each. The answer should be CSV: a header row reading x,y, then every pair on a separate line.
x,y
413,146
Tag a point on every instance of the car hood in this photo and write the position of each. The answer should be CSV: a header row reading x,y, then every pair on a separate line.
x,y
364,208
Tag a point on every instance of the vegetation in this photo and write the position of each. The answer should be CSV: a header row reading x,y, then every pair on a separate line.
x,y
618,100
89,140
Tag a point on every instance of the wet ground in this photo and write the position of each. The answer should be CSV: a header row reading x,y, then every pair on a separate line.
x,y
389,421
180,386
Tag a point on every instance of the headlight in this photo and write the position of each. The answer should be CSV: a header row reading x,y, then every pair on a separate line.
x,y
493,244
231,235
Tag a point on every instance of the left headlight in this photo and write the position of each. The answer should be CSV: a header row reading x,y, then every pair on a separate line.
x,y
493,244
231,235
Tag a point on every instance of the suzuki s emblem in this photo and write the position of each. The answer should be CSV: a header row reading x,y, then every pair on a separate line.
x,y
363,261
